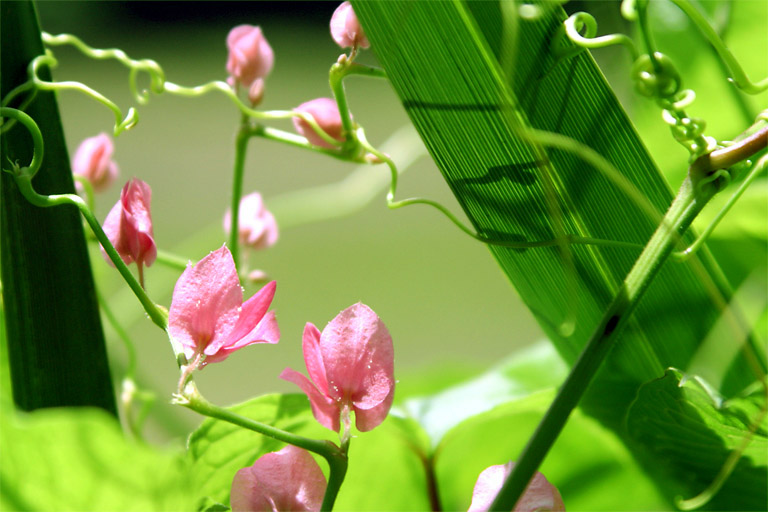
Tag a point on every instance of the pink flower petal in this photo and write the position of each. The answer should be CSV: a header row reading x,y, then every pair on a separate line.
x,y
93,161
288,480
204,307
251,314
368,419
250,56
540,495
129,225
326,115
346,29
324,409
359,357
313,358
257,227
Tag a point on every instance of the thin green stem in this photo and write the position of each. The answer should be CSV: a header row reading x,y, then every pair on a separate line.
x,y
738,77
335,456
684,209
171,260
241,147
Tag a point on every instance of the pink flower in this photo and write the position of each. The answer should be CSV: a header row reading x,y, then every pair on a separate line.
x,y
208,316
326,115
250,56
93,161
346,29
351,365
257,227
129,226
279,481
540,494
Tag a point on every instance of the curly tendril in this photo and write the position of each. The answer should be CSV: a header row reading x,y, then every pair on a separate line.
x,y
149,66
121,124
581,29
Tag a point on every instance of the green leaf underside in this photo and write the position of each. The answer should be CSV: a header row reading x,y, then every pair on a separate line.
x,y
690,438
443,59
78,459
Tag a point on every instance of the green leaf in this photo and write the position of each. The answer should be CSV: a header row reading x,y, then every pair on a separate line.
x,y
384,459
473,84
78,459
55,341
688,436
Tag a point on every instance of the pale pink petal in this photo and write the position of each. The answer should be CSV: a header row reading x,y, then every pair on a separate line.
x,y
359,357
267,331
288,480
313,358
257,227
93,161
346,29
539,496
326,115
368,419
112,229
204,307
325,410
245,330
250,56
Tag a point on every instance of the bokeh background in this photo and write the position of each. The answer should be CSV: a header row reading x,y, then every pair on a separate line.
x,y
441,294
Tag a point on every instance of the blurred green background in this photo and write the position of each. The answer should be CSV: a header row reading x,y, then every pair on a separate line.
x,y
440,293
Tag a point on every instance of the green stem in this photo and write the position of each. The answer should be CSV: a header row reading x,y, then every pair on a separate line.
x,y
241,146
684,209
336,458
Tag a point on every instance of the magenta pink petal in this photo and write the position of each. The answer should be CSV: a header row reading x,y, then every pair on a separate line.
x,y
358,354
250,314
313,358
368,419
288,480
324,408
267,331
205,302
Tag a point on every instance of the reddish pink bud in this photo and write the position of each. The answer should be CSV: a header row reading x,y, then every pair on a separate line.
x,y
257,227
351,365
250,56
326,115
540,495
129,225
208,315
93,161
288,480
346,29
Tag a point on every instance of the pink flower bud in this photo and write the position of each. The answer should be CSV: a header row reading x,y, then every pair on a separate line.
x,y
346,29
129,225
539,495
288,480
208,316
250,56
93,161
326,115
257,227
351,365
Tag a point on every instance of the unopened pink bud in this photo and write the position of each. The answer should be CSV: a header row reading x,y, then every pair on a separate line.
x,y
540,495
93,161
326,115
257,227
256,92
129,225
250,56
346,29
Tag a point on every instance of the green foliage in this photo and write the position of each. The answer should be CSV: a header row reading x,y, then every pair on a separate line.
x,y
77,459
689,434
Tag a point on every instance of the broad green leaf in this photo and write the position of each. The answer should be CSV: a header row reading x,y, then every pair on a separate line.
x,y
381,460
689,434
588,464
78,459
473,83
55,341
